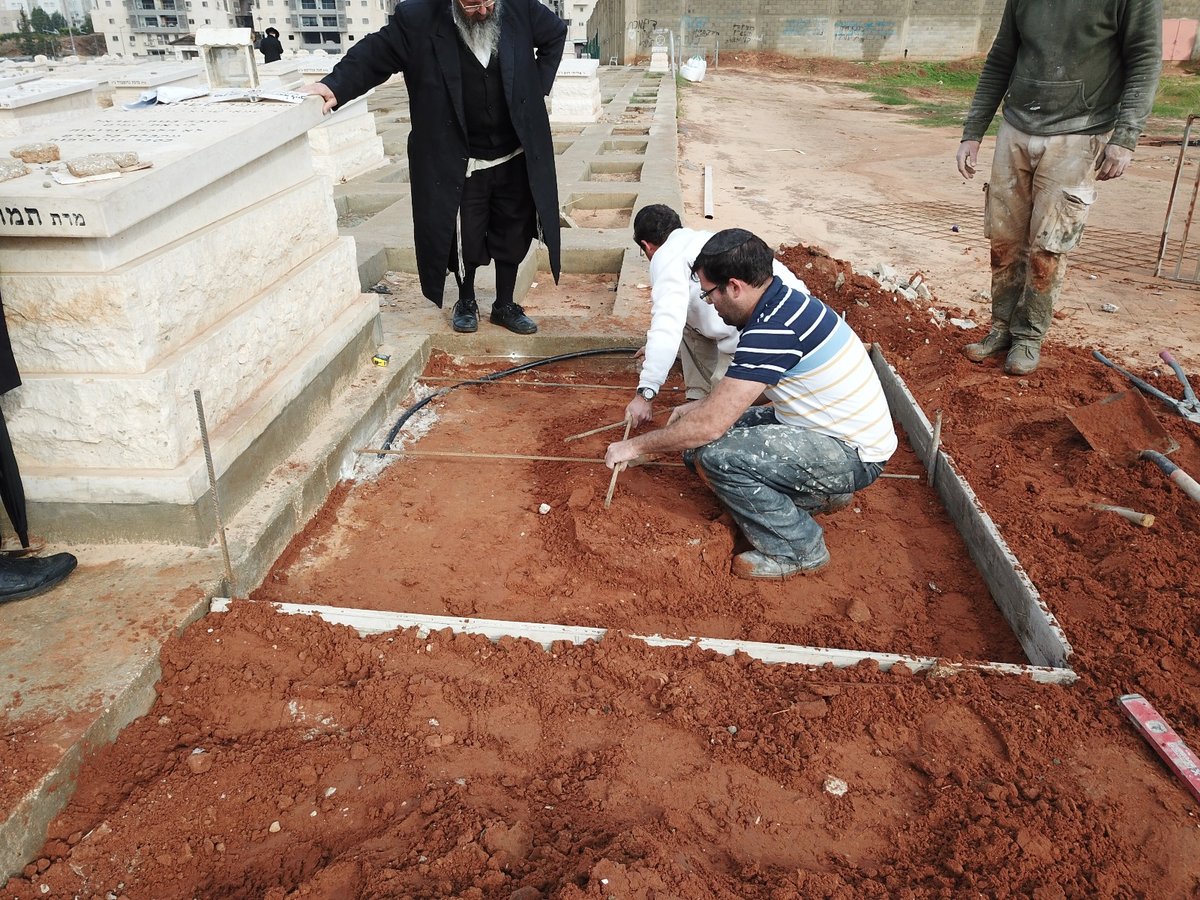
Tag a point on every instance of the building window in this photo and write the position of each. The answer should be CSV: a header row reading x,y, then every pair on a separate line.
x,y
329,21
112,21
366,22
150,22
271,20
308,21
170,21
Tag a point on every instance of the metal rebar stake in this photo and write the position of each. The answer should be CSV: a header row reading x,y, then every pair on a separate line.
x,y
212,488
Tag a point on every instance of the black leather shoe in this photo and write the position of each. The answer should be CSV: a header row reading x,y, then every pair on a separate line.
x,y
466,316
25,576
513,318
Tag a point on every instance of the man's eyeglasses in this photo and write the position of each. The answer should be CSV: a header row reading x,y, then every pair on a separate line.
x,y
705,295
476,7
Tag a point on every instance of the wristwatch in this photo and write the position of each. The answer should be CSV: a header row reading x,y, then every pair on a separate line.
x,y
647,393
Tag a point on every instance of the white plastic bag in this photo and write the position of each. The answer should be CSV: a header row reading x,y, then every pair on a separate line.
x,y
694,68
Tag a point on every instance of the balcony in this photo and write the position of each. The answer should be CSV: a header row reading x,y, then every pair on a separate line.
x,y
159,24
315,7
311,20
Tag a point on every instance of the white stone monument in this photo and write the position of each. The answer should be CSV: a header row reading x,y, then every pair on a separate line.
x,y
228,55
575,96
130,85
346,143
219,269
29,105
660,60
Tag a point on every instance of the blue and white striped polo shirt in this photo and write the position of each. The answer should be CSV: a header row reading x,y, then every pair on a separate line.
x,y
816,370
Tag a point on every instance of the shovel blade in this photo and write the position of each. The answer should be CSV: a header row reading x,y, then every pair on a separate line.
x,y
1122,425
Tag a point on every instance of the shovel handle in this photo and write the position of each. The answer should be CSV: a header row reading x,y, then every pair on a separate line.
x,y
1148,388
1182,479
1188,393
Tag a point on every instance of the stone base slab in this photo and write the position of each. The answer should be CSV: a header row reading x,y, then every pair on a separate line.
x,y
147,421
90,506
140,313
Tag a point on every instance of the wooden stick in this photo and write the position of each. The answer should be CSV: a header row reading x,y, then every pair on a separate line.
x,y
934,446
895,475
583,434
1132,515
466,454
612,484
608,427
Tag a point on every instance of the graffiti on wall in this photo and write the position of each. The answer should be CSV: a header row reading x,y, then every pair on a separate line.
x,y
697,28
864,32
640,31
741,34
803,27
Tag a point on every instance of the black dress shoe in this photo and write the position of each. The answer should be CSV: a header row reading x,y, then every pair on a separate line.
x,y
22,577
466,316
513,318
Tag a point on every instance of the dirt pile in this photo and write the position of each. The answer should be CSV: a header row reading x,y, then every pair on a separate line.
x,y
290,758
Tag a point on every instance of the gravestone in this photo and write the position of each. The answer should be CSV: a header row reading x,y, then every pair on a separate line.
x,y
575,96
128,87
346,143
219,269
660,60
28,105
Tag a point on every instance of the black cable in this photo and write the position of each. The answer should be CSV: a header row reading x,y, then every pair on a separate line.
x,y
495,376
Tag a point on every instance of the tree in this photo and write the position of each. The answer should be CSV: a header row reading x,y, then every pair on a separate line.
x,y
26,39
40,20
58,23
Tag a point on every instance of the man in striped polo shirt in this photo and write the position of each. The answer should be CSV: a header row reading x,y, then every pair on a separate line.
x,y
828,433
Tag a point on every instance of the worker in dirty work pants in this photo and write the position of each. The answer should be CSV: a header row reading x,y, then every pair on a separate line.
x,y
1078,81
828,433
681,324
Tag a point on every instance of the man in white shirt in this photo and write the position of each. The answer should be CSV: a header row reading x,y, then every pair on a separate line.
x,y
681,324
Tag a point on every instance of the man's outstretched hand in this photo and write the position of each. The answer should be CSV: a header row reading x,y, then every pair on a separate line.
x,y
320,90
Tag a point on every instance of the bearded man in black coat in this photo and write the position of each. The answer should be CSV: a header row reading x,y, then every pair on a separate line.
x,y
481,159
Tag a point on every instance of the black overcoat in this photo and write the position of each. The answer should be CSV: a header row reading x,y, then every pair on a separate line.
x,y
421,41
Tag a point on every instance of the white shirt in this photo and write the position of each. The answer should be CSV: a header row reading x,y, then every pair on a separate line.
x,y
675,301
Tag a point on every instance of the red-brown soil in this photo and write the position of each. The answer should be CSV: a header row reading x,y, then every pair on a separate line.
x,y
451,767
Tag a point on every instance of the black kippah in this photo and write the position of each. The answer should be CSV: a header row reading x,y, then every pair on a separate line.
x,y
724,241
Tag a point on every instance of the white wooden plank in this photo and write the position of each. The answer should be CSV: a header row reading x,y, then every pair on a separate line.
x,y
369,621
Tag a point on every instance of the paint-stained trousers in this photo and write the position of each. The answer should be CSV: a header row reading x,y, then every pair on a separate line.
x,y
772,477
1037,202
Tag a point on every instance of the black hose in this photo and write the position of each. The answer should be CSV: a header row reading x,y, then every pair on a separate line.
x,y
495,376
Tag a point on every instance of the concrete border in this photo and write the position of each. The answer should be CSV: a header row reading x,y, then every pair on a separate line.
x,y
1036,629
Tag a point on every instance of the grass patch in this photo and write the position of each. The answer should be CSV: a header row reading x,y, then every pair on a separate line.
x,y
939,94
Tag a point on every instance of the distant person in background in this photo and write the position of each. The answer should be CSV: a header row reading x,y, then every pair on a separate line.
x,y
481,159
270,47
20,576
1078,82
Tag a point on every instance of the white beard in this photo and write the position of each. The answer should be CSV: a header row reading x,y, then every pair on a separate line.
x,y
481,38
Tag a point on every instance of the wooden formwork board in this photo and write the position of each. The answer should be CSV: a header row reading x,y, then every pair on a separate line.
x,y
1036,629
370,621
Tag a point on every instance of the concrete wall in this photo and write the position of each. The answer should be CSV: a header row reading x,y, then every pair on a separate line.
x,y
844,29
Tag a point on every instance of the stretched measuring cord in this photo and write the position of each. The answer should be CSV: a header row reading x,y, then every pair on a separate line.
x,y
495,376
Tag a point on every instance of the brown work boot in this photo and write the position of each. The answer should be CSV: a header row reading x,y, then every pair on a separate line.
x,y
1023,359
997,341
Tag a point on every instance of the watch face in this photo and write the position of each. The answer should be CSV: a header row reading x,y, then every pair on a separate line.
x,y
647,393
